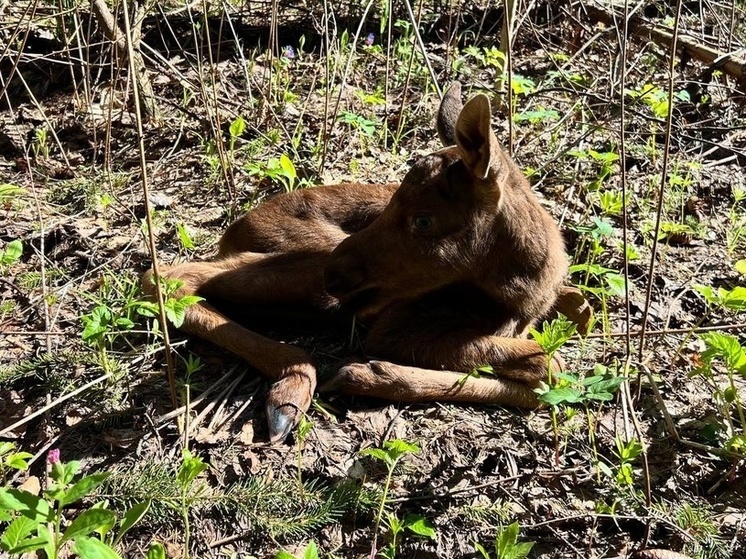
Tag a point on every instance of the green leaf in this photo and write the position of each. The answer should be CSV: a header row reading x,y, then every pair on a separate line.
x,y
418,524
26,504
14,534
45,534
184,237
156,551
304,428
91,548
18,460
506,539
284,555
96,323
378,454
83,487
395,525
287,166
398,447
735,299
237,127
9,191
556,396
311,551
87,522
131,517
12,253
507,546
554,334
605,469
522,549
29,545
741,267
706,291
70,469
6,447
191,467
480,548
727,348
615,284
176,308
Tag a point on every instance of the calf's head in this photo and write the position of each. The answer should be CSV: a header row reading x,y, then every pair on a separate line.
x,y
440,224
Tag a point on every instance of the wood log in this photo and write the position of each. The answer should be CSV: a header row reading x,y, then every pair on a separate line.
x,y
733,63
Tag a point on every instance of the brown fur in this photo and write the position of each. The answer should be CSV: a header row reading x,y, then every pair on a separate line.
x,y
449,270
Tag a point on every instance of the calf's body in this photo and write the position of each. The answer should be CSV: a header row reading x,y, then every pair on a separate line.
x,y
448,271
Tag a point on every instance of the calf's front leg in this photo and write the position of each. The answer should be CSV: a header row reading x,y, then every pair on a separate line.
x,y
241,280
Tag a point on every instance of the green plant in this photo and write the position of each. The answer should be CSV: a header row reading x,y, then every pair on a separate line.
x,y
507,545
40,145
603,164
119,305
304,429
310,552
697,521
87,193
478,372
191,467
184,236
359,122
728,299
192,363
11,460
601,282
10,254
537,116
570,388
175,305
626,453
734,234
9,193
42,522
610,202
236,130
726,349
653,96
412,523
391,453
552,336
7,308
277,169
156,551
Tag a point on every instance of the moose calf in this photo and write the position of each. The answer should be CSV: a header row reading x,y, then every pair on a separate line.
x,y
448,272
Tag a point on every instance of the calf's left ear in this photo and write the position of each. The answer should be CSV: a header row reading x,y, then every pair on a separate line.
x,y
474,136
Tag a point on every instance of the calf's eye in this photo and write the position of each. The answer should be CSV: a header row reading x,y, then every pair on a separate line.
x,y
423,223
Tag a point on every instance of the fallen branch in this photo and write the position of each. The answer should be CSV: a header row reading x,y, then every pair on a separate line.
x,y
144,87
733,63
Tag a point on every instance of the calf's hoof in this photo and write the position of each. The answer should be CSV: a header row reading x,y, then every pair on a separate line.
x,y
289,398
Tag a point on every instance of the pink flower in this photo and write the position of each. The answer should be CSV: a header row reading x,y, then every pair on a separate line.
x,y
53,456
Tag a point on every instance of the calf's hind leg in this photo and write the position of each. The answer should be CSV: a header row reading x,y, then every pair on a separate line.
x,y
424,353
241,280
519,366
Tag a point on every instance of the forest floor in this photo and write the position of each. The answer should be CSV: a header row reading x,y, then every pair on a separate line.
x,y
71,311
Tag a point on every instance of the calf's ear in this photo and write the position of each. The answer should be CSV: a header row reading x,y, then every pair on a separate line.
x,y
474,136
450,108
